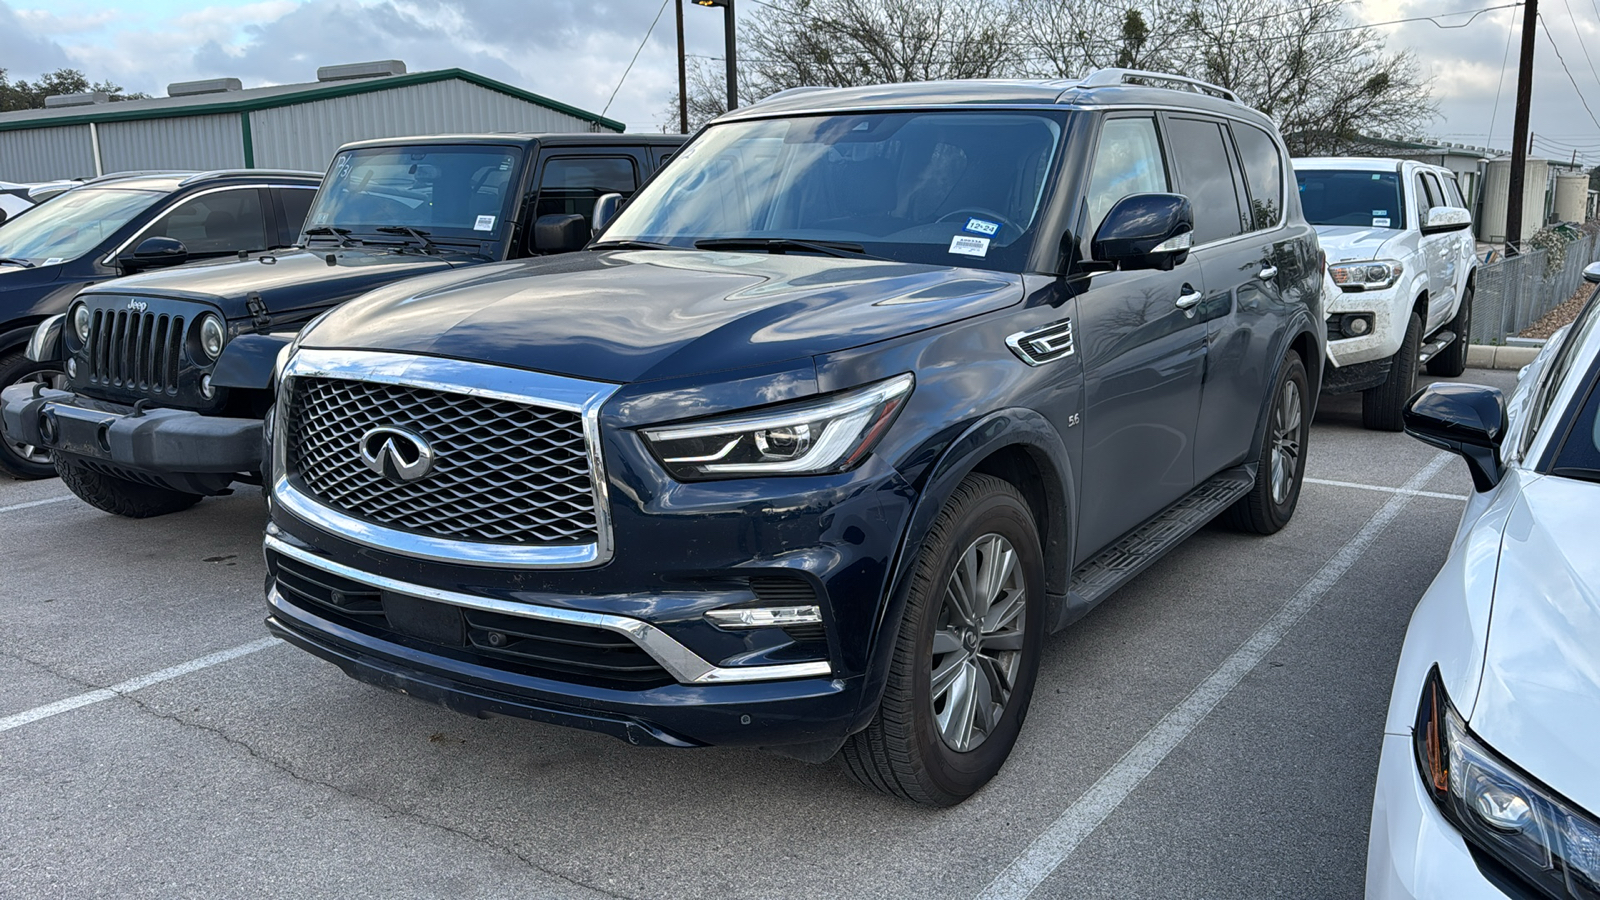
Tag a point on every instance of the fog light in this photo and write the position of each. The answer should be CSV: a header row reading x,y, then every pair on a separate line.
x,y
765,617
72,368
1359,326
1355,324
206,390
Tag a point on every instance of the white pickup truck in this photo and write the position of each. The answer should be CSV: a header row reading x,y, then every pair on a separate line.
x,y
1398,238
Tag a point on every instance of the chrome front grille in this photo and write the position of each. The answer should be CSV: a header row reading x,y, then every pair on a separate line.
x,y
503,472
136,351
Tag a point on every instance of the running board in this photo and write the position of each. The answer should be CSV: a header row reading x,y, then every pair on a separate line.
x,y
1440,341
1116,565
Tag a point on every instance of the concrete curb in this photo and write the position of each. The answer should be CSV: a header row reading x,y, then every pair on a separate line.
x,y
1488,356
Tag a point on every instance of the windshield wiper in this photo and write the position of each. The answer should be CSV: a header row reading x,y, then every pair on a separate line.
x,y
843,249
8,261
410,232
633,245
343,234
1582,473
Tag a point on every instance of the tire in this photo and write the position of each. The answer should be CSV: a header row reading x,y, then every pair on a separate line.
x,y
1452,360
1280,469
25,461
119,496
920,746
1381,406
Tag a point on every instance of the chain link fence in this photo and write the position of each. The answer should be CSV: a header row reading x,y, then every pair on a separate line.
x,y
1512,294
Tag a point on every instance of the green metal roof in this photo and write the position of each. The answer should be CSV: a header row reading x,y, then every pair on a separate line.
x,y
271,97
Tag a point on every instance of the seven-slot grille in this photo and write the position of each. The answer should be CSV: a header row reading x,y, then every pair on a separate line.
x,y
135,350
503,472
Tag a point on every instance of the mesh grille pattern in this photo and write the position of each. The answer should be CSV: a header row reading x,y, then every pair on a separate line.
x,y
503,472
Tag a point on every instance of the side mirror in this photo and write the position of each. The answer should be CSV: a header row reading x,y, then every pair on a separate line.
x,y
1446,218
1466,419
1145,231
560,233
154,253
605,209
1591,273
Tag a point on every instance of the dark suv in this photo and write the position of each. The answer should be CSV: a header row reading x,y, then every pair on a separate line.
x,y
169,373
865,394
118,225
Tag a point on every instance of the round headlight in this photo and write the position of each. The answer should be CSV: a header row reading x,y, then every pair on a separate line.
x,y
80,322
211,335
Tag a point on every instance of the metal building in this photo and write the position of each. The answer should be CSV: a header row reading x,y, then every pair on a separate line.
x,y
217,125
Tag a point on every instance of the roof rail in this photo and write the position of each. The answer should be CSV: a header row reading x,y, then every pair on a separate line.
x,y
246,173
790,92
1116,77
132,173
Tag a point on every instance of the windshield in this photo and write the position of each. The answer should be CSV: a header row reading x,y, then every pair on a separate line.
x,y
444,191
949,188
72,224
1363,199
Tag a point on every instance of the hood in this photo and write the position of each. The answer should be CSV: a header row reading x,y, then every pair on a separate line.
x,y
12,277
641,315
1539,703
1354,243
293,279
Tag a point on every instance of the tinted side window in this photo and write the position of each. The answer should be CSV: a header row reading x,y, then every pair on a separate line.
x,y
1205,176
1420,200
1436,195
224,222
570,185
295,203
1263,172
1127,161
1452,189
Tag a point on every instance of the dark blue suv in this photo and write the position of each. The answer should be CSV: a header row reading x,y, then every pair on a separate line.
x,y
863,395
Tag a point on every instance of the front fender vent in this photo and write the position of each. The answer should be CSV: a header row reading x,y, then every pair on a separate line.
x,y
1042,345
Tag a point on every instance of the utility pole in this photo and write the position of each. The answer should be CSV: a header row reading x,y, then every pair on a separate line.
x,y
683,76
1519,129
728,54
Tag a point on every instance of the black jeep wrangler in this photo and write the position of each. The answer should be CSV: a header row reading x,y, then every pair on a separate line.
x,y
168,373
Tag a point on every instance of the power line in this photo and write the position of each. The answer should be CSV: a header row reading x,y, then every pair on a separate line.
x,y
1574,20
649,31
1489,135
1581,98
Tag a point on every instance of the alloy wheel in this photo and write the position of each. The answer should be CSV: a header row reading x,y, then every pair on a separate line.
x,y
977,642
1286,420
55,380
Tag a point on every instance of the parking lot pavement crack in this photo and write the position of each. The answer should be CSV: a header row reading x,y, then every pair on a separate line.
x,y
390,808
48,669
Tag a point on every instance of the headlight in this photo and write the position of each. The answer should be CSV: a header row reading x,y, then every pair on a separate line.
x,y
816,436
1501,810
212,335
81,319
1367,276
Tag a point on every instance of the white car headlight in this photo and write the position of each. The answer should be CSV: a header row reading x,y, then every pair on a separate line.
x,y
81,320
212,335
1367,276
815,436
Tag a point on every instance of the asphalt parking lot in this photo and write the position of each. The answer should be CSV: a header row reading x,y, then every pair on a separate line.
x,y
1210,731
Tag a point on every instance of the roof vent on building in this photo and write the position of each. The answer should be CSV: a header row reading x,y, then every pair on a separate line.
x,y
348,71
209,86
55,101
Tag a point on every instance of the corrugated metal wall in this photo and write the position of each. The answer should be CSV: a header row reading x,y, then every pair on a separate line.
x,y
304,136
45,154
192,142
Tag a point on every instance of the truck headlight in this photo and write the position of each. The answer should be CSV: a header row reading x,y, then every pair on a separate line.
x,y
1501,810
815,436
1367,276
81,320
212,335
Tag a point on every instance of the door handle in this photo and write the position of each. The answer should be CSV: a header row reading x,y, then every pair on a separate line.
x,y
1268,273
1189,299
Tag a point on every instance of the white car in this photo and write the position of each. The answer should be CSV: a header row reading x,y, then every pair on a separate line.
x,y
1489,782
1399,243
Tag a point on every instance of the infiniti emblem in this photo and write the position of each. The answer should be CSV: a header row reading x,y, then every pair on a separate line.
x,y
138,305
396,454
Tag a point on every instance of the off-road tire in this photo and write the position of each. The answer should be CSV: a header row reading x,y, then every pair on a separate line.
x,y
901,752
1381,406
16,367
1262,511
119,496
1452,360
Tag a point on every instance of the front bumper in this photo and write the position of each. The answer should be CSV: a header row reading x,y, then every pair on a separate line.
x,y
1412,850
1388,325
183,449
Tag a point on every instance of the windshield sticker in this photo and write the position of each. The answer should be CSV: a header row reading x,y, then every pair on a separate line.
x,y
1377,176
979,226
1380,222
484,223
54,260
1380,212
967,245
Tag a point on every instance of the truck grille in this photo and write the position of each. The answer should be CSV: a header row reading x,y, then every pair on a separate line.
x,y
138,351
503,472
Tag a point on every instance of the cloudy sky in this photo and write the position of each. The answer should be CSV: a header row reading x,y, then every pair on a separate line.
x,y
576,50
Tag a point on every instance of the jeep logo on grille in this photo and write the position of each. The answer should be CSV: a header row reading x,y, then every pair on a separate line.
x,y
396,454
138,305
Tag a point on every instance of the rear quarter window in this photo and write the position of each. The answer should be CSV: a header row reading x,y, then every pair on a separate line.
x,y
1263,171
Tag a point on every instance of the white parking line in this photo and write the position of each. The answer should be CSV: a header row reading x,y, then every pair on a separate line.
x,y
1385,489
1079,820
133,684
32,503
